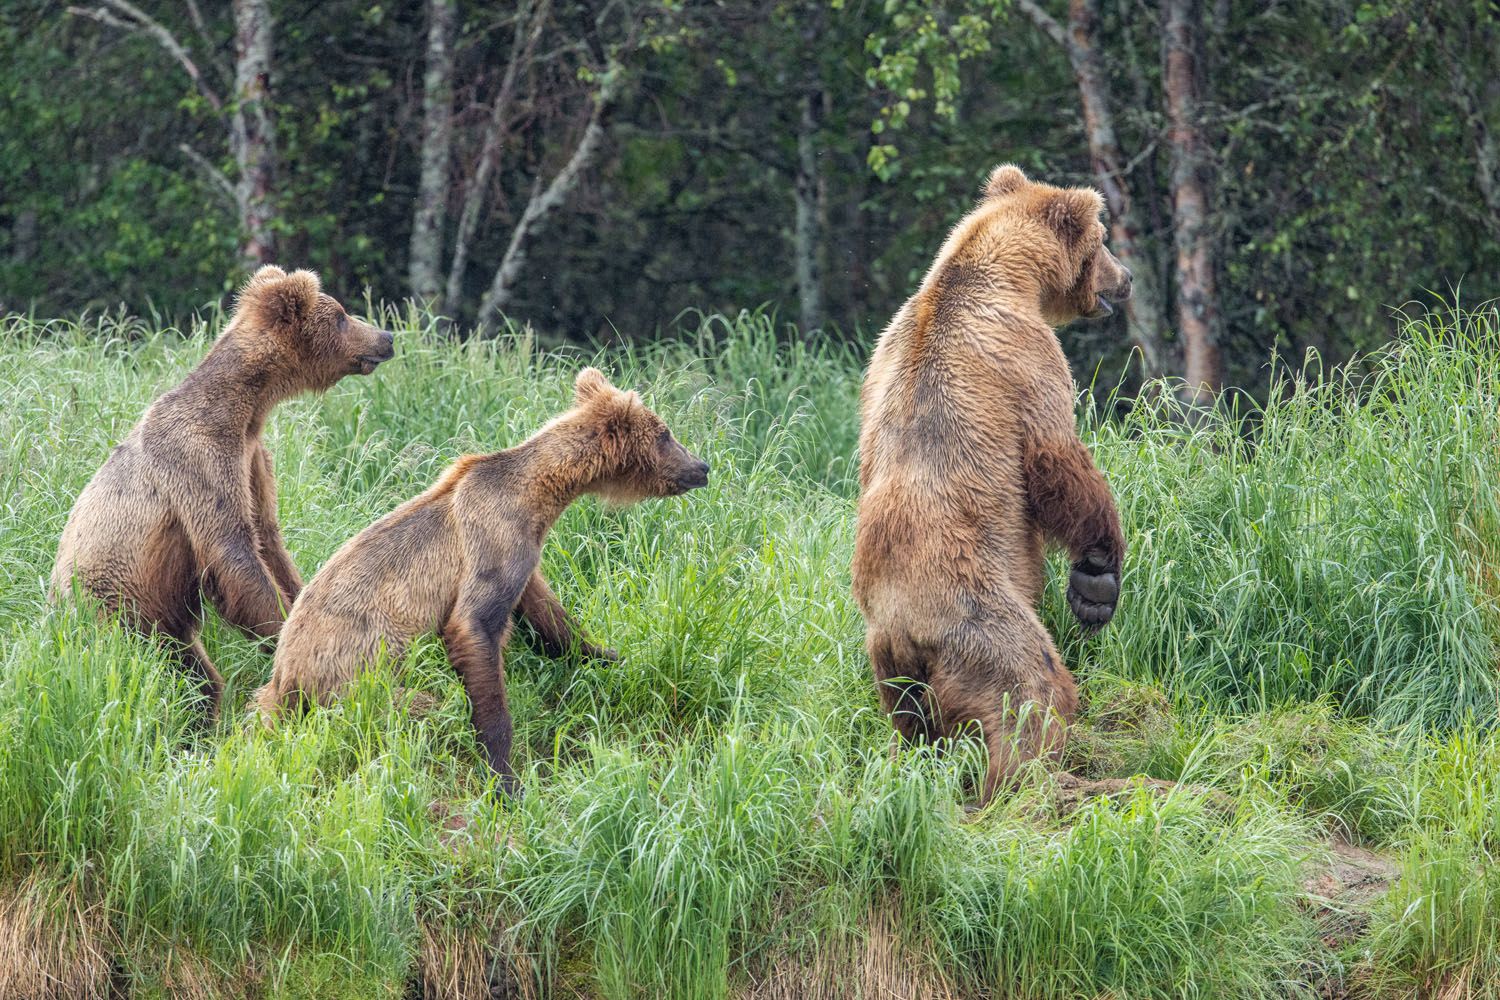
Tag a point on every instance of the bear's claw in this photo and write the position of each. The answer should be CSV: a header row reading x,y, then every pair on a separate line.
x,y
1093,592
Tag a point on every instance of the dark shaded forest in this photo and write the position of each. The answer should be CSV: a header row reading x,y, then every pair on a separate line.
x,y
1279,176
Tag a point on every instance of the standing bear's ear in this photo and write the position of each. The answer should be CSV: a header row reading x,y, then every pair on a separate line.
x,y
1005,179
275,299
1072,212
589,386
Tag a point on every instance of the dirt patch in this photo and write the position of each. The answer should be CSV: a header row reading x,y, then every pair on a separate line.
x,y
1343,893
1070,791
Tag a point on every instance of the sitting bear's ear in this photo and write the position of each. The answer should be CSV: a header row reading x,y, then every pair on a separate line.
x,y
1005,179
1072,212
589,385
278,299
266,273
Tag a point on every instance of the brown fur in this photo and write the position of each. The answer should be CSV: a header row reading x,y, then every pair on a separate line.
x,y
185,506
462,558
970,461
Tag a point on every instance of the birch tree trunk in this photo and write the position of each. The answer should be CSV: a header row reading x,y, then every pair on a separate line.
x,y
252,138
1144,313
424,263
547,199
530,19
808,237
1197,299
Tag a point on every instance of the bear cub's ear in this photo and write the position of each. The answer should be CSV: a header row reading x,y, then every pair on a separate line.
x,y
1005,179
589,386
265,274
273,298
1072,212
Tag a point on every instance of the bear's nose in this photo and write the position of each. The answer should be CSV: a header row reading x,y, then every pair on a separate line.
x,y
387,343
1129,278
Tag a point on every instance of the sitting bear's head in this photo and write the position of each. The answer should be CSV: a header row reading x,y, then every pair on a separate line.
x,y
1080,277
284,324
637,455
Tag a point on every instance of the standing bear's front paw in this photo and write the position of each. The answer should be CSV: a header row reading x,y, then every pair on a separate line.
x,y
1093,591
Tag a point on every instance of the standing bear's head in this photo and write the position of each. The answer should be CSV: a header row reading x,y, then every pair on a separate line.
x,y
1079,276
284,325
630,450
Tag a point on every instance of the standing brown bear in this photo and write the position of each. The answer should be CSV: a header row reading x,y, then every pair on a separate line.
x,y
969,461
461,558
185,506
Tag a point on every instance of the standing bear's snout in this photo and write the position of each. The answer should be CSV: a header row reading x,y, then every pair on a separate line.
x,y
696,475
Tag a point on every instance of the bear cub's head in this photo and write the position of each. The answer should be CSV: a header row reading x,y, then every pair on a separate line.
x,y
287,322
1084,279
637,455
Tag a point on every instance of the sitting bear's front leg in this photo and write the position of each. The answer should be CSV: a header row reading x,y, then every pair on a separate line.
x,y
553,629
475,637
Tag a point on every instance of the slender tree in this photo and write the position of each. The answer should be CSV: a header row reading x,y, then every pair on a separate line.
x,y
807,185
425,261
1145,316
1197,296
252,138
530,19
547,197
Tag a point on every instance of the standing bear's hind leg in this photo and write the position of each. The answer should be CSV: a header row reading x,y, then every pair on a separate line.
x,y
901,680
210,683
1008,678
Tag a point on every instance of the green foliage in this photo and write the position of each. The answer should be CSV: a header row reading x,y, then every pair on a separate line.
x,y
1439,928
1347,140
1340,552
919,36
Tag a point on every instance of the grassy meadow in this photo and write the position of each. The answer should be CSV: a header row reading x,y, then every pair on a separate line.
x,y
1308,641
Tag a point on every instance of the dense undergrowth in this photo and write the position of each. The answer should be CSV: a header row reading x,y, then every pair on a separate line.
x,y
1309,632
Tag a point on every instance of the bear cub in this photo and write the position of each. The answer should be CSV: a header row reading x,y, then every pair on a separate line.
x,y
462,558
185,507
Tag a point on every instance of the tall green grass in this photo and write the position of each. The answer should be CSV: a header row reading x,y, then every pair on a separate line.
x,y
1347,549
1308,628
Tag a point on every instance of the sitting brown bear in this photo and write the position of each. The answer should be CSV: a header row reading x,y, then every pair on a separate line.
x,y
462,557
186,504
969,459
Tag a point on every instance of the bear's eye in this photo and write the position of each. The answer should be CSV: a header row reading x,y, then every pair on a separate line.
x,y
664,439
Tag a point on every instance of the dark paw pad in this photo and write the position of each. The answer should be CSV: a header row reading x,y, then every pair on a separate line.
x,y
1093,592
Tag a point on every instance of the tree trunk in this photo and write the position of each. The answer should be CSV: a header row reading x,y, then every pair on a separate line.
x,y
251,136
1197,301
425,263
545,200
808,236
1144,314
1470,98
529,22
